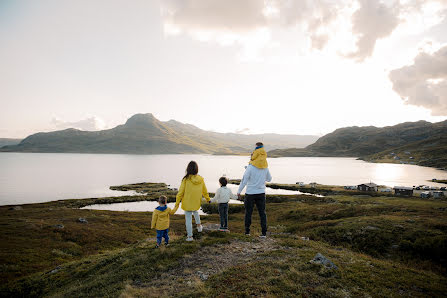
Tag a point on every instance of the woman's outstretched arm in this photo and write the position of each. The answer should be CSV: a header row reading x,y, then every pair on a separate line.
x,y
180,194
205,192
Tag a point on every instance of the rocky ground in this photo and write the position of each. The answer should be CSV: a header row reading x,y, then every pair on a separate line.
x,y
198,267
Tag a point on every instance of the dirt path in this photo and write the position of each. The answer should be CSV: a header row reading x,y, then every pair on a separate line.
x,y
198,267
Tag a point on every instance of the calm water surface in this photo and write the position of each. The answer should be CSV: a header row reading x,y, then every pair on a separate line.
x,y
41,177
142,206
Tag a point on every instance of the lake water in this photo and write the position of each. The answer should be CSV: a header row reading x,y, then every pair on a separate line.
x,y
41,177
142,206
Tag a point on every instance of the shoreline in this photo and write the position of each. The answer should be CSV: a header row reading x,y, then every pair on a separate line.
x,y
148,191
57,249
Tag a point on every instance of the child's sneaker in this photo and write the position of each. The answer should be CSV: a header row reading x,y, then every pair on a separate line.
x,y
262,236
167,244
189,239
199,228
222,229
157,246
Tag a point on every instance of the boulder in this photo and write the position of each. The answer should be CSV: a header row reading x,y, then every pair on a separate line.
x,y
322,260
16,208
202,275
210,227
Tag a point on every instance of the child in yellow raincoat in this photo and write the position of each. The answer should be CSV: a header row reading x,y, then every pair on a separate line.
x,y
160,220
259,157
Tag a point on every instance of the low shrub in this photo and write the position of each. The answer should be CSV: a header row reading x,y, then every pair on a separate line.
x,y
213,208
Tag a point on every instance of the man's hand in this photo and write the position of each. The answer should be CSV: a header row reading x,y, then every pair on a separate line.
x,y
239,196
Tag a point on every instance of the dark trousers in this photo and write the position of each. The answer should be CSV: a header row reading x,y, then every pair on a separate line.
x,y
223,212
249,202
162,234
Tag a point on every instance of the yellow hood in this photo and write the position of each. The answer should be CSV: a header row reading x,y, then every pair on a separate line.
x,y
191,192
195,179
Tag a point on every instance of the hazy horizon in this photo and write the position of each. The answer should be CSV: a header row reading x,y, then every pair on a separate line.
x,y
242,132
286,67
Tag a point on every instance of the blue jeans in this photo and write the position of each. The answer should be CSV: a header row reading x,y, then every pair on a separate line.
x,y
162,234
223,212
188,221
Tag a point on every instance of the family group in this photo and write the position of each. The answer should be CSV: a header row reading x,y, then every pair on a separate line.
x,y
193,189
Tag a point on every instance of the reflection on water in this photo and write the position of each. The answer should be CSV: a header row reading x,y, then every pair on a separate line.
x,y
387,172
41,177
141,206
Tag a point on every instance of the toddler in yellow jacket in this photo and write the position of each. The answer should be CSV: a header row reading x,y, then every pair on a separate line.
x,y
160,220
259,157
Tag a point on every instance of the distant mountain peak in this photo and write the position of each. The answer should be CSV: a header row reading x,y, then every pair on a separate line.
x,y
141,119
145,134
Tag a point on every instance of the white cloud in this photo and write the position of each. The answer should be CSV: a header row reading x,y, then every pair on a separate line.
x,y
251,23
424,83
90,124
242,130
228,15
372,21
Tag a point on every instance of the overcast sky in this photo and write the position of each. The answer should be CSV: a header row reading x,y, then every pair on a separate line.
x,y
284,66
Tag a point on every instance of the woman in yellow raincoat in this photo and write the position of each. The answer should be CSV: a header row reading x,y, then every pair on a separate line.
x,y
190,194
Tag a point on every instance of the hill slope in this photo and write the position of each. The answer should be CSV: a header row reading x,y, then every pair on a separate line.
x,y
7,141
425,141
144,134
431,152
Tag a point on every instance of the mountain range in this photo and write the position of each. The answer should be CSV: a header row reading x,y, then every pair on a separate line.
x,y
145,134
420,142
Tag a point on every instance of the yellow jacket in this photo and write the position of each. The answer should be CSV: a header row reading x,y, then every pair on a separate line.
x,y
259,158
191,192
160,217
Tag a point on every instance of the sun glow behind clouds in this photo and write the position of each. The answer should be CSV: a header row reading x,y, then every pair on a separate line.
x,y
294,64
310,48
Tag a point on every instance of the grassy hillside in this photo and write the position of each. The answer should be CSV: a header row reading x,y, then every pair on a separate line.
x,y
144,134
431,152
425,141
381,246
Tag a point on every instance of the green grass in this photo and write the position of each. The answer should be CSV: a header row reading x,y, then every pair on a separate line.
x,y
288,273
383,246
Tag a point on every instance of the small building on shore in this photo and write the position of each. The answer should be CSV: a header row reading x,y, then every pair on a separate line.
x,y
367,187
403,191
425,195
385,189
438,194
313,184
350,187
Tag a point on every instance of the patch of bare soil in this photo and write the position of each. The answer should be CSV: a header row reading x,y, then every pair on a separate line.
x,y
198,267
